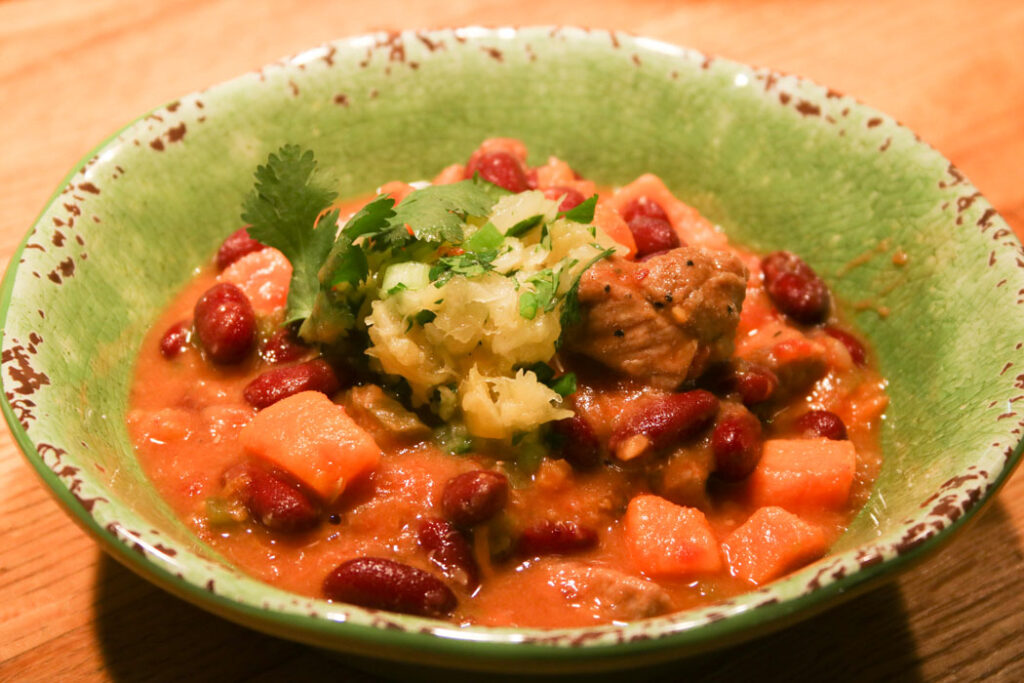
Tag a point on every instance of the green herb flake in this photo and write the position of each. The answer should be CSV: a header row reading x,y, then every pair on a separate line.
x,y
423,317
524,226
564,385
583,212
484,239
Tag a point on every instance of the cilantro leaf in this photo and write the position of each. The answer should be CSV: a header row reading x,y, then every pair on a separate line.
x,y
469,264
524,226
437,213
282,210
346,263
582,213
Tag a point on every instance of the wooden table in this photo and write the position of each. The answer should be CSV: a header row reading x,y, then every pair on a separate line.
x,y
71,72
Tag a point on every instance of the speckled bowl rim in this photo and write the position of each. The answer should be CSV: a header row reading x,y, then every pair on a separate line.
x,y
429,642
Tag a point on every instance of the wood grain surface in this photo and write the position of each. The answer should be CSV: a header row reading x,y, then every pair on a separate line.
x,y
72,72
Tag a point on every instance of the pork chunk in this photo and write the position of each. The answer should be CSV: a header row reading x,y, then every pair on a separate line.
x,y
607,593
662,320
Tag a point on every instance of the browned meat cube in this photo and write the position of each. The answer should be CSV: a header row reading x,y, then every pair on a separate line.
x,y
662,320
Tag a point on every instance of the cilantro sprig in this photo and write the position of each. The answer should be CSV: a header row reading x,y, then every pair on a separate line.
x,y
282,211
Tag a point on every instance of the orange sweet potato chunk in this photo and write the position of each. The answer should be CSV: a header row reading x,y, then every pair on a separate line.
x,y
669,540
608,219
313,439
804,474
263,276
770,544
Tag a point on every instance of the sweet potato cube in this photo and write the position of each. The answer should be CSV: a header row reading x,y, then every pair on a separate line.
x,y
770,544
609,220
669,540
313,439
804,474
263,276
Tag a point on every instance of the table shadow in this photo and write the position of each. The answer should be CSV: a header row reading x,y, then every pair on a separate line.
x,y
147,634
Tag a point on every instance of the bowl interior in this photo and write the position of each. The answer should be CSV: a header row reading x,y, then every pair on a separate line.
x,y
923,265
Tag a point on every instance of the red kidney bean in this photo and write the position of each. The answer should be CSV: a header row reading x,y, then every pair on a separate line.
x,y
225,323
857,351
573,198
282,347
176,339
736,444
795,288
755,383
273,385
643,206
237,245
580,446
379,583
474,497
652,235
550,538
500,168
278,504
822,423
670,419
449,551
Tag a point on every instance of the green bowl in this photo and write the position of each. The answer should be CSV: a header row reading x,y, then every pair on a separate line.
x,y
777,161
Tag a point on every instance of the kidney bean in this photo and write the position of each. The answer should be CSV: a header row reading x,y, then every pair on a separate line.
x,y
573,198
474,497
857,351
225,323
795,288
736,444
282,347
822,423
643,206
550,538
449,551
580,446
278,504
670,419
652,235
176,339
237,245
273,385
755,383
379,583
500,168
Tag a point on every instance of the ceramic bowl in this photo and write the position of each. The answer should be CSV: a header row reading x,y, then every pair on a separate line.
x,y
779,162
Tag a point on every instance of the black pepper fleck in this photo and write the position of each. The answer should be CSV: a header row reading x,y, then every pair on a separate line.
x,y
659,305
619,333
607,288
668,298
334,519
689,262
